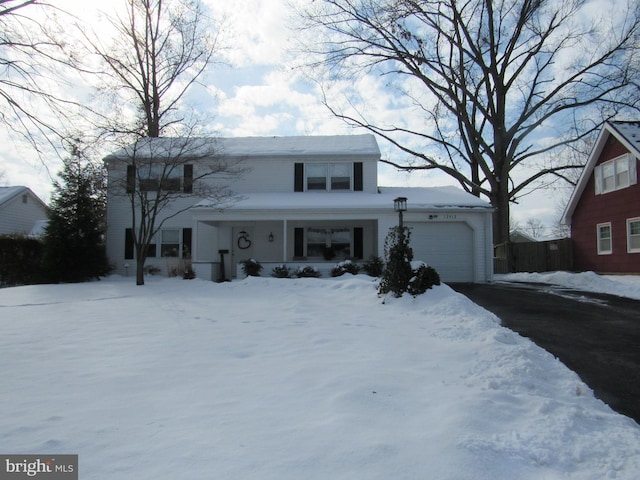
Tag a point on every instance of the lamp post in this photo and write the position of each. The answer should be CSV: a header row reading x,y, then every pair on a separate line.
x,y
400,205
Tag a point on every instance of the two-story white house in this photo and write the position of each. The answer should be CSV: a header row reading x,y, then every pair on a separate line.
x,y
310,200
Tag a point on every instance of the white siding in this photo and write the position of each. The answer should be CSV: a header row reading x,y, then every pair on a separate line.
x,y
16,216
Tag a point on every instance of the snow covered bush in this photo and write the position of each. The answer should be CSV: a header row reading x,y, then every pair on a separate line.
x,y
282,271
424,277
251,267
308,272
345,267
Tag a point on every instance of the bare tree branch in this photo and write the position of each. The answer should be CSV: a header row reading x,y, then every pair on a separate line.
x,y
500,85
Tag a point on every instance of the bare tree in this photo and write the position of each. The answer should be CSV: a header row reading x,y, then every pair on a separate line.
x,y
159,179
535,227
161,49
496,85
32,59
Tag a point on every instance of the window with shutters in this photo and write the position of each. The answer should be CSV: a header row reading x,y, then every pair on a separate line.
x,y
159,177
327,243
171,243
328,177
616,174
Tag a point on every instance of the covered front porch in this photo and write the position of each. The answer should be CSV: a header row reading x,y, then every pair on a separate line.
x,y
220,245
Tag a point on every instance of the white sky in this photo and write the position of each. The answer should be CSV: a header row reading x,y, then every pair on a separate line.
x,y
258,95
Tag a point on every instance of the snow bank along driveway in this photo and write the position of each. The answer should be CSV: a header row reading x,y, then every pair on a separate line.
x,y
292,379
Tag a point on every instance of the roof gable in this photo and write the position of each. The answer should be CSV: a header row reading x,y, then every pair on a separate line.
x,y
9,193
627,133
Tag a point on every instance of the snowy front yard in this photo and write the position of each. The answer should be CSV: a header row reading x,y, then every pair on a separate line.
x,y
292,379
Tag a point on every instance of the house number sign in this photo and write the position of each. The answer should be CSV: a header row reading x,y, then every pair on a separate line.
x,y
244,241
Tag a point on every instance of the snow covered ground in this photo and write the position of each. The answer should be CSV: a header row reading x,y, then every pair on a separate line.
x,y
621,285
292,379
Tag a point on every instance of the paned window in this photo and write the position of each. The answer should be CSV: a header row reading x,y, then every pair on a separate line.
x,y
633,235
605,246
329,176
170,243
316,176
328,243
152,178
615,174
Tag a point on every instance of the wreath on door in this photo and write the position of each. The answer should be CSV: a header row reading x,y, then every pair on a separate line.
x,y
243,241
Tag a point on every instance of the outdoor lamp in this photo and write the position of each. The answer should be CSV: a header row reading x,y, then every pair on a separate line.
x,y
400,205
271,237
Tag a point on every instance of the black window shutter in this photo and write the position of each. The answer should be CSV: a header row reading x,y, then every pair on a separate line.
x,y
188,179
358,242
186,243
298,242
131,178
298,183
128,244
357,176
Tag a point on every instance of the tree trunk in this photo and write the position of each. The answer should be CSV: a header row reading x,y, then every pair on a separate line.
x,y
140,271
500,201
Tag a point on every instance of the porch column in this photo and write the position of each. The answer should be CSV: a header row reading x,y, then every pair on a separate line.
x,y
284,240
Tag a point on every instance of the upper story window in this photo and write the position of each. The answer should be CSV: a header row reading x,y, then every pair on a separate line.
x,y
152,178
328,176
615,174
338,176
160,177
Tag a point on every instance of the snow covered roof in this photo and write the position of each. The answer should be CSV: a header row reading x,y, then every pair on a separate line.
x,y
251,147
7,193
417,198
627,133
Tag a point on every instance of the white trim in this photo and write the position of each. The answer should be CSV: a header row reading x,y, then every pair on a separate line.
x,y
598,239
629,248
608,129
626,160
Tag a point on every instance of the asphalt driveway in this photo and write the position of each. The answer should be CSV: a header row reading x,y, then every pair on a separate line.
x,y
595,335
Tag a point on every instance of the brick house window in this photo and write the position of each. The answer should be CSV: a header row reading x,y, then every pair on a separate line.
x,y
605,245
633,235
616,174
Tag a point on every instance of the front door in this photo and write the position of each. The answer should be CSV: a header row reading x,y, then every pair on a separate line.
x,y
242,246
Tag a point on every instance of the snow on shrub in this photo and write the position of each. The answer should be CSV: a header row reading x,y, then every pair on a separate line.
x,y
308,272
282,271
251,267
345,267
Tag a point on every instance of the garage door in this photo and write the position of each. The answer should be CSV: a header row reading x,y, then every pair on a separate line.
x,y
447,247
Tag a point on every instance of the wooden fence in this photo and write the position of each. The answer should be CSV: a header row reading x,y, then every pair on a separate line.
x,y
544,256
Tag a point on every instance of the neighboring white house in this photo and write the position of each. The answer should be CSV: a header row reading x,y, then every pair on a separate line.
x,y
301,198
20,210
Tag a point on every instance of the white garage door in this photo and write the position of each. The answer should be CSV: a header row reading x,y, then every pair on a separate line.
x,y
446,246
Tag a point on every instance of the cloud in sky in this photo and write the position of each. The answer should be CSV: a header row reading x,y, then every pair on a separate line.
x,y
257,93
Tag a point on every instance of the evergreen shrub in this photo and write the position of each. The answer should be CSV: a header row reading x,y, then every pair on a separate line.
x,y
308,272
20,260
251,267
373,266
424,278
345,267
282,271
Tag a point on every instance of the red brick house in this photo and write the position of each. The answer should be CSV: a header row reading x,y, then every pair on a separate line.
x,y
604,210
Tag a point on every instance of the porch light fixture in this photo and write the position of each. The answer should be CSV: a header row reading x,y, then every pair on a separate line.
x,y
271,237
400,205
